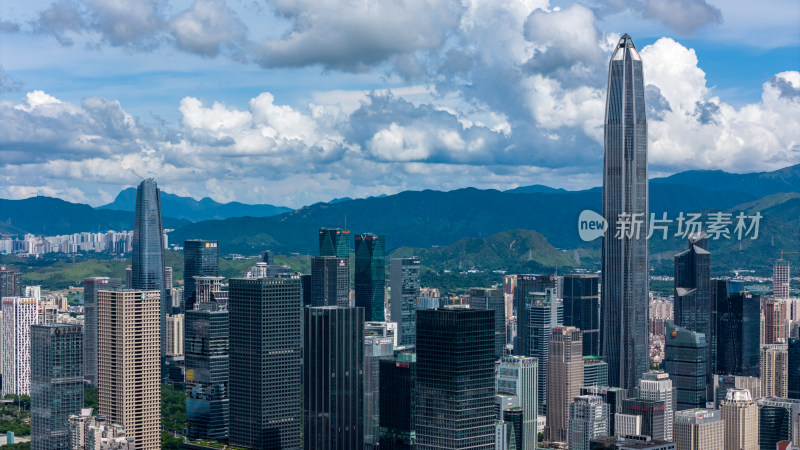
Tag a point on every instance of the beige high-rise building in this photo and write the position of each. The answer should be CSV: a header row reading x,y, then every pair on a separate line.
x,y
564,380
774,371
774,321
780,279
175,335
128,362
699,429
740,414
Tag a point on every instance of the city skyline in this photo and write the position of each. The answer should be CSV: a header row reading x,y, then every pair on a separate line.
x,y
236,112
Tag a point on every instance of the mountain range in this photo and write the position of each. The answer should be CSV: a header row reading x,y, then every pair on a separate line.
x,y
461,228
195,210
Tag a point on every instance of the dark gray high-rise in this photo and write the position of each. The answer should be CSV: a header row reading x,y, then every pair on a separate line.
x,y
455,381
206,347
625,294
370,275
492,298
582,309
147,265
56,383
330,281
334,242
200,258
405,295
333,374
694,308
90,288
265,366
736,336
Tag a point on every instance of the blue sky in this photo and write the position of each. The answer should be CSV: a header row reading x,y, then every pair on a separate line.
x,y
296,101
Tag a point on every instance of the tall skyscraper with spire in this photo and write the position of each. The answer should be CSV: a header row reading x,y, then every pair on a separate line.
x,y
624,299
147,266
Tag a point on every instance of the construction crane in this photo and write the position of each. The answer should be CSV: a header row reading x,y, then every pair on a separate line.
x,y
785,253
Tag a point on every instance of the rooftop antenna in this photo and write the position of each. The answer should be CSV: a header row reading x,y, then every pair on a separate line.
x,y
134,172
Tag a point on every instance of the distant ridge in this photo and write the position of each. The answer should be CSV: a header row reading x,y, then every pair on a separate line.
x,y
196,210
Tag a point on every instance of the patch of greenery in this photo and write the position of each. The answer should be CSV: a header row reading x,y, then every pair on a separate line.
x,y
169,441
90,398
18,446
173,409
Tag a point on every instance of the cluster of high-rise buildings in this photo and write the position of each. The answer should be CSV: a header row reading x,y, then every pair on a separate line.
x,y
30,245
280,359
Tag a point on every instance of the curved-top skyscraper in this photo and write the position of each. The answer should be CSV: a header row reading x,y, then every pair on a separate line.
x,y
624,300
147,266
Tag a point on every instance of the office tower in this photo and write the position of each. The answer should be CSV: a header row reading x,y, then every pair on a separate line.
x,y
694,308
492,298
774,321
517,376
564,380
147,261
778,418
631,443
381,329
330,281
129,275
774,371
653,416
513,418
333,373
725,383
455,379
90,288
10,282
625,293
375,349
397,402
175,328
540,312
595,371
370,276
527,284
502,402
128,362
268,257
780,279
33,292
611,396
738,328
793,365
588,419
334,242
659,386
265,364
206,359
582,309
684,360
208,289
628,424
740,414
19,313
95,432
699,429
305,285
200,258
405,286
56,383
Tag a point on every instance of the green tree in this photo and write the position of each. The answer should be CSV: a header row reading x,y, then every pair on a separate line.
x,y
90,398
170,442
173,409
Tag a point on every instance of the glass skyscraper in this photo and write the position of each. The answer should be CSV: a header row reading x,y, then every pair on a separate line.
x,y
56,383
397,402
147,262
540,313
370,275
334,242
685,361
206,351
492,298
455,379
333,378
330,281
737,317
793,377
200,258
265,364
625,293
776,421
694,307
405,295
582,309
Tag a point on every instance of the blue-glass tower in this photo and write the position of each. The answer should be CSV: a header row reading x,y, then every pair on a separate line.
x,y
370,276
200,258
625,295
147,266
